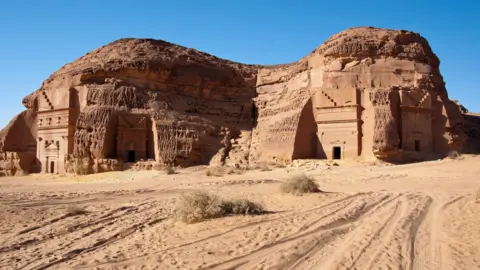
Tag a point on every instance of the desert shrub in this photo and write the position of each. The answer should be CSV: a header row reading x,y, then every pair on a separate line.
x,y
454,154
278,165
214,171
21,173
81,169
221,171
264,167
235,171
477,195
300,184
243,207
74,210
168,170
267,166
157,167
200,206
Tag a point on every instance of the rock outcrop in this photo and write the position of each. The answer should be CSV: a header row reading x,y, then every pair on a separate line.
x,y
365,93
18,144
375,93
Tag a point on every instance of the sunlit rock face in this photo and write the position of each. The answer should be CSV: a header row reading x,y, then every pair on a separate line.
x,y
366,93
374,93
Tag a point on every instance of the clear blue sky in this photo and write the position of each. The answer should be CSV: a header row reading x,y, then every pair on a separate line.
x,y
38,37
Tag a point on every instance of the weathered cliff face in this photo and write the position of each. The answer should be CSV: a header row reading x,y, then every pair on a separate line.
x,y
365,92
186,100
471,127
18,143
392,77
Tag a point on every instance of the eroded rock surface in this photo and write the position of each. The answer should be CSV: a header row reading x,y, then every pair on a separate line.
x,y
366,93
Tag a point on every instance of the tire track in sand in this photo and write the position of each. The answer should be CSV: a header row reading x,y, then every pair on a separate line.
x,y
362,238
429,242
315,235
84,233
390,244
248,234
113,238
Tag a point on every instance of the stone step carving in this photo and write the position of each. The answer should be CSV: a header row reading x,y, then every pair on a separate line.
x,y
424,98
334,104
48,100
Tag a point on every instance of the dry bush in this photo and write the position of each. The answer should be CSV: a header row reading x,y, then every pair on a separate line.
x,y
477,195
279,165
243,207
200,206
267,166
239,171
264,167
454,154
74,210
21,173
157,167
80,169
168,170
300,184
235,171
215,171
221,171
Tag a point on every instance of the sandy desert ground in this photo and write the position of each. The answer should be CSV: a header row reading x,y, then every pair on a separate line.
x,y
416,216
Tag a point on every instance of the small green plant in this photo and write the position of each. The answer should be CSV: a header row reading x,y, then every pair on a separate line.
x,y
200,206
300,184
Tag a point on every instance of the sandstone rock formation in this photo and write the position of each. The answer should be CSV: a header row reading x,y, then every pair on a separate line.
x,y
17,142
366,93
471,127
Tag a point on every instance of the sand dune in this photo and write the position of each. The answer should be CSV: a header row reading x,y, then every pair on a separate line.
x,y
417,216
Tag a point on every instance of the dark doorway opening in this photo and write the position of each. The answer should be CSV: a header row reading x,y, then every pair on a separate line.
x,y
254,112
52,167
131,156
417,145
337,152
307,144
